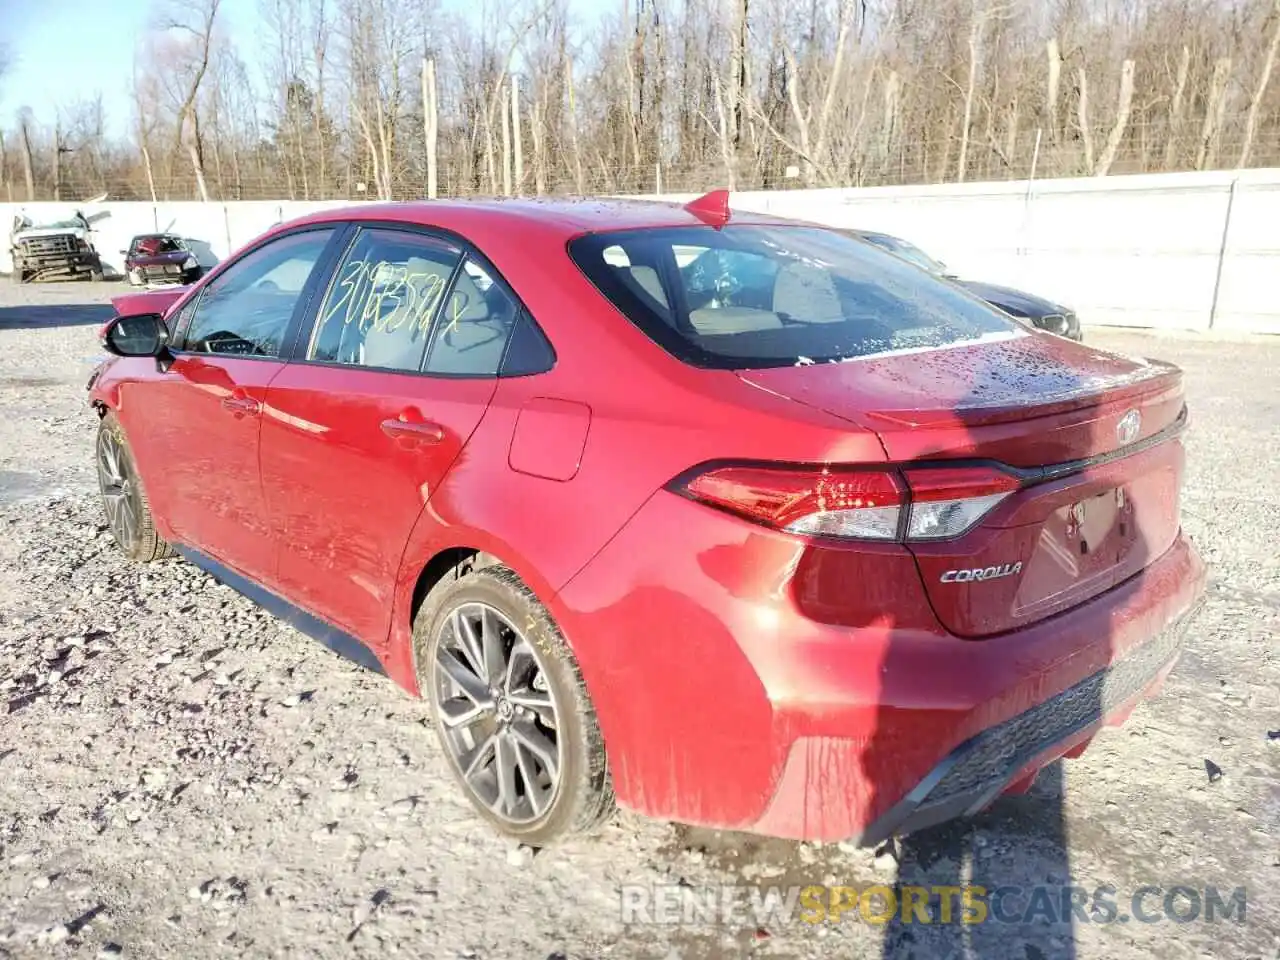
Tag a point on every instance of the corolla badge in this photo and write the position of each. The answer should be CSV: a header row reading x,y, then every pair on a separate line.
x,y
1129,427
982,573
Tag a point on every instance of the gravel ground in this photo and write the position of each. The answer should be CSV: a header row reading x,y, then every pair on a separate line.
x,y
183,776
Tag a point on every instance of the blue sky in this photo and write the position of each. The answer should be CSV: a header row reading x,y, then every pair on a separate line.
x,y
66,50
62,51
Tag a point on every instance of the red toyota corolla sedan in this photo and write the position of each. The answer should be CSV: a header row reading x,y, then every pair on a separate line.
x,y
741,521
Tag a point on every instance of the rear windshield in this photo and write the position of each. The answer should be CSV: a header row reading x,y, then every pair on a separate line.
x,y
756,296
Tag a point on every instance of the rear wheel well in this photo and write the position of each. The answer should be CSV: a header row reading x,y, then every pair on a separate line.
x,y
448,564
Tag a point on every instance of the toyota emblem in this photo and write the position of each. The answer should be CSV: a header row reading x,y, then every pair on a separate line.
x,y
1129,427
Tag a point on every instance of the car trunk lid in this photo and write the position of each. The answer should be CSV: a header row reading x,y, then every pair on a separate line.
x,y
1093,437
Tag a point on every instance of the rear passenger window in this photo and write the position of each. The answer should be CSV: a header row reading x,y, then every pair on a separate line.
x,y
383,300
528,350
474,325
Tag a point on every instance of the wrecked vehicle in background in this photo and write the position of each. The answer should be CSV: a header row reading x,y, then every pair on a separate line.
x,y
61,250
154,258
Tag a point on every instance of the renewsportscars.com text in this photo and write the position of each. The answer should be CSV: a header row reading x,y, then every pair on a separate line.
x,y
969,904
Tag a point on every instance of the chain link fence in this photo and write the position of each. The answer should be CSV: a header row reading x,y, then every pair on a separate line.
x,y
1030,154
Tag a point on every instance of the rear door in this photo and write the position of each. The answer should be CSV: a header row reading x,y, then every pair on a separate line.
x,y
196,425
383,395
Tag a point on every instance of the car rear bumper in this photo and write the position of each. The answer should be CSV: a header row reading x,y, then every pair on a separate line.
x,y
724,702
1008,755
157,273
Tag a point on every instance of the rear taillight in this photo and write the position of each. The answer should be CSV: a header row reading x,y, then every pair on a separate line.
x,y
822,502
926,503
949,501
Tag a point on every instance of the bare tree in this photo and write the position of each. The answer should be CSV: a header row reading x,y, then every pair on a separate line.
x,y
516,138
1177,107
1054,84
726,132
579,179
507,101
377,47
191,28
1121,123
28,161
320,59
431,122
283,22
4,171
738,71
545,54
1259,91
981,14
498,98
145,120
1215,107
1082,112
392,98
812,133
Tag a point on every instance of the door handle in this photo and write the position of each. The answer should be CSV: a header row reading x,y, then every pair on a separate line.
x,y
404,428
240,405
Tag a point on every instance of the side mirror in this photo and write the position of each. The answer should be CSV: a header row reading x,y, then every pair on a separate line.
x,y
124,253
140,335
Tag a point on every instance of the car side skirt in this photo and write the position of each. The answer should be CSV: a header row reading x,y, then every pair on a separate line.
x,y
338,641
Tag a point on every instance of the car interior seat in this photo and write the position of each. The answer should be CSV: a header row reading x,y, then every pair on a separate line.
x,y
647,279
807,293
393,335
473,328
707,321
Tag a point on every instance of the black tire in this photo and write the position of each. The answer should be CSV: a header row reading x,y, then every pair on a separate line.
x,y
583,796
124,501
97,275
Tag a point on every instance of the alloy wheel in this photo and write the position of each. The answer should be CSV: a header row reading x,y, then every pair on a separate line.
x,y
497,713
119,491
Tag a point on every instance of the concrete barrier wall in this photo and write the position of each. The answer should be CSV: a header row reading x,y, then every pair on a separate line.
x,y
1177,251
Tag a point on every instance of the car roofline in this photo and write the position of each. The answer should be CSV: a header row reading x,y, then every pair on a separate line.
x,y
567,217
